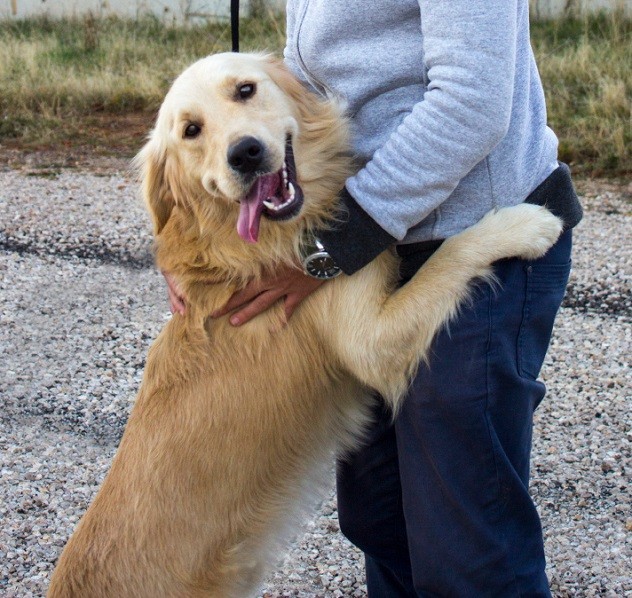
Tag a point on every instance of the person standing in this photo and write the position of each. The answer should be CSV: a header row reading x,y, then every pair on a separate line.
x,y
449,121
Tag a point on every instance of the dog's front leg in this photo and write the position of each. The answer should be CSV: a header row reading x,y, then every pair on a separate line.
x,y
381,338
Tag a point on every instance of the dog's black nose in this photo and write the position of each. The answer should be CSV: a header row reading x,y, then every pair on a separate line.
x,y
246,155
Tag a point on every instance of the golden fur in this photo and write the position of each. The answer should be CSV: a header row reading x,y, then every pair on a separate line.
x,y
232,425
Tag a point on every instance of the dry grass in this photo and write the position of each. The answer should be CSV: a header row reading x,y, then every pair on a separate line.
x,y
585,66
56,70
56,75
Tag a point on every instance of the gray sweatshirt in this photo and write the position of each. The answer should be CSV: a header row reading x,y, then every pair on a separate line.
x,y
445,99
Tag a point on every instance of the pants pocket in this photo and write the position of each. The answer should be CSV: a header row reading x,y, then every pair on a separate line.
x,y
546,284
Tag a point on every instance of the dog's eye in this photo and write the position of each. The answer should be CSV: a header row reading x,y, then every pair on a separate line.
x,y
192,130
246,90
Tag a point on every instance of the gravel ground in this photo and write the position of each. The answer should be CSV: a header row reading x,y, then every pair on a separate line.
x,y
81,303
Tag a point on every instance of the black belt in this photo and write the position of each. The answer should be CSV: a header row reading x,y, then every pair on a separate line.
x,y
556,192
421,247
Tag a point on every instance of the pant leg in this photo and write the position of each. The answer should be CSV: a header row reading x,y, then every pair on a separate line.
x,y
370,509
463,443
473,529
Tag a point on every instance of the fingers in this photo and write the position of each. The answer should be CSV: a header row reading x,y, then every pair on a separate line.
x,y
249,292
258,305
176,297
257,297
176,303
292,301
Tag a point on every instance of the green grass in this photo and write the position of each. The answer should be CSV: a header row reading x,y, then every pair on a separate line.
x,y
585,67
74,67
56,74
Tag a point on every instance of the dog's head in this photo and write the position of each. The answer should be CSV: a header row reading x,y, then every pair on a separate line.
x,y
238,139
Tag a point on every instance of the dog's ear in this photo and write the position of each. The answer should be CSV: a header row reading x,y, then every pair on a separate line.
x,y
151,162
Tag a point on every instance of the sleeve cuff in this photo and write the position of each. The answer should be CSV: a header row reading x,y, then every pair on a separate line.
x,y
355,239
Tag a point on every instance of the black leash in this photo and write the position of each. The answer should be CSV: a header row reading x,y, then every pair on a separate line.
x,y
234,24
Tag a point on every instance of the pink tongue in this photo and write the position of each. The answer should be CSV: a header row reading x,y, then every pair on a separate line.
x,y
251,206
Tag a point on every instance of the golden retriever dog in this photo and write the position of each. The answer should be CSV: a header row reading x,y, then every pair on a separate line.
x,y
233,426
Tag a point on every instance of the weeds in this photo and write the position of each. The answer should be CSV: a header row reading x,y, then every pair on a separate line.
x,y
585,66
56,72
78,66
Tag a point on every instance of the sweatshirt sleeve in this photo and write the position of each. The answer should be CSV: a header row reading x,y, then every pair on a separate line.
x,y
469,54
355,239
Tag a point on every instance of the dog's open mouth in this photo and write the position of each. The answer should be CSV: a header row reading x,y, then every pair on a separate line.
x,y
275,195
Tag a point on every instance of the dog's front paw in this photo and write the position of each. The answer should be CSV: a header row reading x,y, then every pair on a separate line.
x,y
526,230
536,230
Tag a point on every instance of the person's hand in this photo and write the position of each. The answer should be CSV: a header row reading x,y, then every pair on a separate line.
x,y
287,281
177,300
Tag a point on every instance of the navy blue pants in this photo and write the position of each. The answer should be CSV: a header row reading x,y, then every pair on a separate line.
x,y
439,501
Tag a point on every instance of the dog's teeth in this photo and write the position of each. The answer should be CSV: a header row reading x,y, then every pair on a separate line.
x,y
272,206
